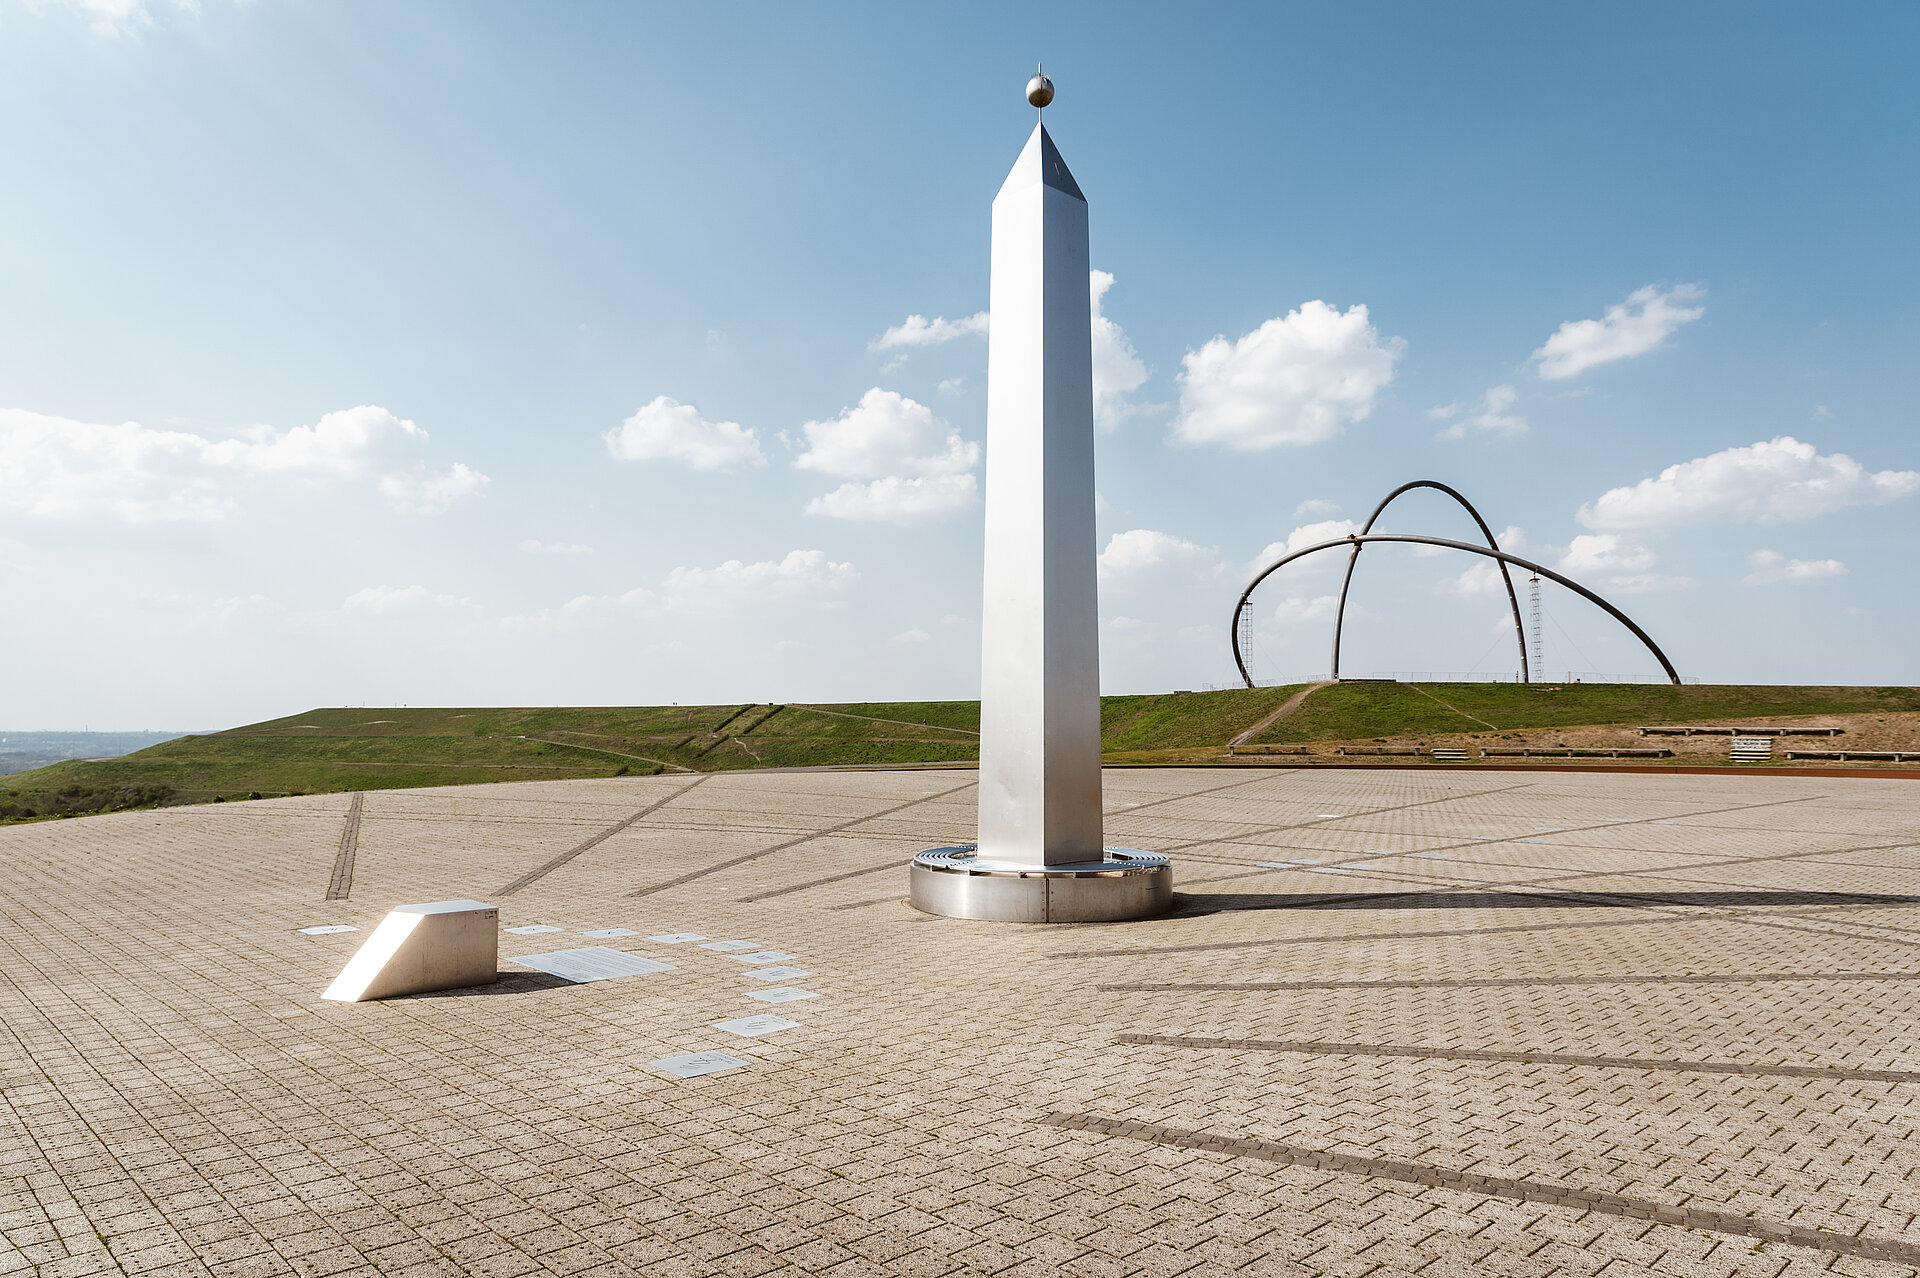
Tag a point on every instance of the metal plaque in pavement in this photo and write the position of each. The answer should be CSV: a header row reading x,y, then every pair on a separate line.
x,y
594,963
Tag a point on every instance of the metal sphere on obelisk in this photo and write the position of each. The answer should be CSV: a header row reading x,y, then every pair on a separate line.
x,y
1039,855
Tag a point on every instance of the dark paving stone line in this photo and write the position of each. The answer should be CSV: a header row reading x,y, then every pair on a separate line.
x,y
745,857
1243,835
1274,942
1531,1191
587,845
1498,982
341,884
878,900
1528,1058
1447,887
876,869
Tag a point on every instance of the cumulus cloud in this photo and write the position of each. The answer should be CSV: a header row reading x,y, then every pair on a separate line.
x,y
923,466
1482,577
1487,416
1303,536
1771,567
908,638
392,601
1293,380
52,467
898,499
113,17
1633,327
802,572
667,430
1140,549
1604,552
918,330
1117,371
1301,610
586,609
1647,583
1772,482
427,494
1315,506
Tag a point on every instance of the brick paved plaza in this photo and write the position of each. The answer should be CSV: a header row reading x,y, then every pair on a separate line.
x,y
1499,1022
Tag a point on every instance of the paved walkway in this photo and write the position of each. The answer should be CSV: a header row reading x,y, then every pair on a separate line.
x,y
1431,1022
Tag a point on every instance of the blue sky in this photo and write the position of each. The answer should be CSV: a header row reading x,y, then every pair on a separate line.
x,y
528,354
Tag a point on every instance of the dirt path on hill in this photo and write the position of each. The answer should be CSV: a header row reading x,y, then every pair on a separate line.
x,y
1456,709
1286,708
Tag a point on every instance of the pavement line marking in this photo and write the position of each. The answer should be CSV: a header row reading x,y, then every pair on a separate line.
x,y
1531,1191
341,884
745,857
1527,1058
535,875
1498,982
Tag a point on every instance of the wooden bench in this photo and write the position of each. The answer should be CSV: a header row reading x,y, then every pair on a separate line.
x,y
1582,752
1875,756
1685,730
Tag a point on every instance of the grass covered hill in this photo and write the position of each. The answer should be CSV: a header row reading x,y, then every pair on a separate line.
x,y
362,749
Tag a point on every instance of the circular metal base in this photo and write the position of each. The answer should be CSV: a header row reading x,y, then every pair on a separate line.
x,y
960,883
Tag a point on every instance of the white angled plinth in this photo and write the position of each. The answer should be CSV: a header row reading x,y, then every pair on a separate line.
x,y
442,945
1040,637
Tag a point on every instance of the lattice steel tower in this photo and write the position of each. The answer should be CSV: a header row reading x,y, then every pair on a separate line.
x,y
1533,600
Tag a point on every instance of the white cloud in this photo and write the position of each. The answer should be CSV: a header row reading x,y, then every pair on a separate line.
x,y
1315,506
391,601
1770,566
425,494
951,385
1143,548
1772,482
898,499
1646,583
1295,380
886,433
586,609
667,430
1303,536
51,467
802,572
1633,327
112,17
535,547
1482,577
924,467
1300,610
1117,371
1487,416
918,330
908,638
1604,552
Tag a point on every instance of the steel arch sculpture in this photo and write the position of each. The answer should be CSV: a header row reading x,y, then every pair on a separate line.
x,y
1357,540
1346,582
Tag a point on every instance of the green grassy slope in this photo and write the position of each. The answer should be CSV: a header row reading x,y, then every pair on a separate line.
x,y
339,749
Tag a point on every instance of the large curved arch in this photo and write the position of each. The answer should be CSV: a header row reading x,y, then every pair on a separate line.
x,y
1346,582
1357,540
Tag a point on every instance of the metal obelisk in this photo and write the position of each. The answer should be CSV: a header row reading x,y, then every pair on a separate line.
x,y
1039,854
1040,622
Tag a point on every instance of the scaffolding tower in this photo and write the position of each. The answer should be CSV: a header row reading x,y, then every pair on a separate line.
x,y
1533,600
